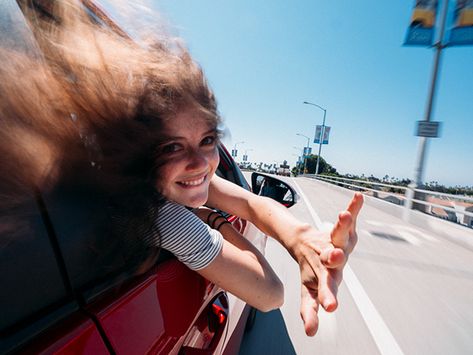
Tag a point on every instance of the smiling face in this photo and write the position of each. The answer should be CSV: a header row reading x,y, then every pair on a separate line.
x,y
189,157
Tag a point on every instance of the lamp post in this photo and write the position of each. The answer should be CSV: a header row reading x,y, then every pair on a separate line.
x,y
423,141
234,151
245,156
301,151
306,151
322,133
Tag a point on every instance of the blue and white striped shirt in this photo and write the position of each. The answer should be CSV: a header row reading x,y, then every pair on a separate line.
x,y
181,232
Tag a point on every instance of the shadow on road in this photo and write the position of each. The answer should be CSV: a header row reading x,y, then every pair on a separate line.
x,y
268,336
388,236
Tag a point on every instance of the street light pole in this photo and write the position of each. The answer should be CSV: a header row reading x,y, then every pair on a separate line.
x,y
322,133
306,151
246,153
299,163
439,46
235,148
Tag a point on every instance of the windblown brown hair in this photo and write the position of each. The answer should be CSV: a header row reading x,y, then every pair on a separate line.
x,y
83,111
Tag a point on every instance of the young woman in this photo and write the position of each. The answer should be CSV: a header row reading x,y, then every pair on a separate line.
x,y
189,158
141,114
189,150
88,113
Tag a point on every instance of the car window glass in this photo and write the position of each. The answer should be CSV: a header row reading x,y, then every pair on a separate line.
x,y
34,292
102,246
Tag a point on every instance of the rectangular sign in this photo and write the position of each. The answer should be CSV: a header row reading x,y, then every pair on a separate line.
x,y
307,151
326,134
321,131
318,134
428,129
421,28
462,31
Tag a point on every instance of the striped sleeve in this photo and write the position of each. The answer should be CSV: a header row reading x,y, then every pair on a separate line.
x,y
182,233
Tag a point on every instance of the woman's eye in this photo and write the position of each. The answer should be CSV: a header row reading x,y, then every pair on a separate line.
x,y
210,140
171,148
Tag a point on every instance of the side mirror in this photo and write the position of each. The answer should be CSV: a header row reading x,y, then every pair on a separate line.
x,y
276,189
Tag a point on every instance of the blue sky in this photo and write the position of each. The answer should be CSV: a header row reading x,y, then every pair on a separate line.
x,y
264,58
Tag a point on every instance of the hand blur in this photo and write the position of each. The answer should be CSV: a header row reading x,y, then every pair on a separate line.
x,y
324,255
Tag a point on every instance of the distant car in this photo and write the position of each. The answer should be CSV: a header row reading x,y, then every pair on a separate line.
x,y
283,172
67,289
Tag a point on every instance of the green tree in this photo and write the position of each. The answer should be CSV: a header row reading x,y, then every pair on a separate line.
x,y
324,167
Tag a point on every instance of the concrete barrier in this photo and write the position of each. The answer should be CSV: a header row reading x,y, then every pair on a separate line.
x,y
453,232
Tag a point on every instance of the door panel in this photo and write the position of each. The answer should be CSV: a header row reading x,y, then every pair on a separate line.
x,y
154,316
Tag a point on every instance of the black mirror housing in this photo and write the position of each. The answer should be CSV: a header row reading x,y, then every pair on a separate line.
x,y
278,190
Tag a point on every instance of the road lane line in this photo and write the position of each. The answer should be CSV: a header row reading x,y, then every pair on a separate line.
x,y
409,237
315,217
380,332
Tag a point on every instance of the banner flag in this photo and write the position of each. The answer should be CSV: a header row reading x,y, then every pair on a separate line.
x,y
421,29
307,151
462,31
319,134
326,134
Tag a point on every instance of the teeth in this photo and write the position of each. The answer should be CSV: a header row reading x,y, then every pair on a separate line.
x,y
193,182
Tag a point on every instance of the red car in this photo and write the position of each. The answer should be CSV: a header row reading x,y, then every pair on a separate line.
x,y
67,289
59,297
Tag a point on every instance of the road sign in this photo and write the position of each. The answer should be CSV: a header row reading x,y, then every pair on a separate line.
x,y
428,129
234,153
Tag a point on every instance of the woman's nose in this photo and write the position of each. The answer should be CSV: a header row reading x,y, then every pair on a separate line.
x,y
196,160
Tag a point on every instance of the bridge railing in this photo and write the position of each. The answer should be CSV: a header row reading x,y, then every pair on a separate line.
x,y
403,195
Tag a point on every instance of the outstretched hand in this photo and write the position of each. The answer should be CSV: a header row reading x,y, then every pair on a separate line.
x,y
321,261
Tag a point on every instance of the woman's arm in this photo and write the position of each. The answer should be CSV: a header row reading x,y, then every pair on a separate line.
x,y
268,215
321,255
241,269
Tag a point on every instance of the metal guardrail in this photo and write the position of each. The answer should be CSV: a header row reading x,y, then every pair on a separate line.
x,y
407,198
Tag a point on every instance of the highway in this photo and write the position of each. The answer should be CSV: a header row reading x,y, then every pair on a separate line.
x,y
407,289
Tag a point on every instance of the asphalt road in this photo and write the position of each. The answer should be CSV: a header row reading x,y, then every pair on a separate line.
x,y
406,290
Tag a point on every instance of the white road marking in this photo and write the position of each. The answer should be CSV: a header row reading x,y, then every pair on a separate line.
x,y
317,220
375,223
380,332
409,237
411,232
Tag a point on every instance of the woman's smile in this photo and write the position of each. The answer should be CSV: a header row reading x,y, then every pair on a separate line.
x,y
193,182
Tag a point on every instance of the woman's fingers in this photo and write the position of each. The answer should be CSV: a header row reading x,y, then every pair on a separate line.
x,y
355,205
341,230
309,309
354,208
328,289
332,257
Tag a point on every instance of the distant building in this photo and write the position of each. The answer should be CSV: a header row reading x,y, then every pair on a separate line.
x,y
455,216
